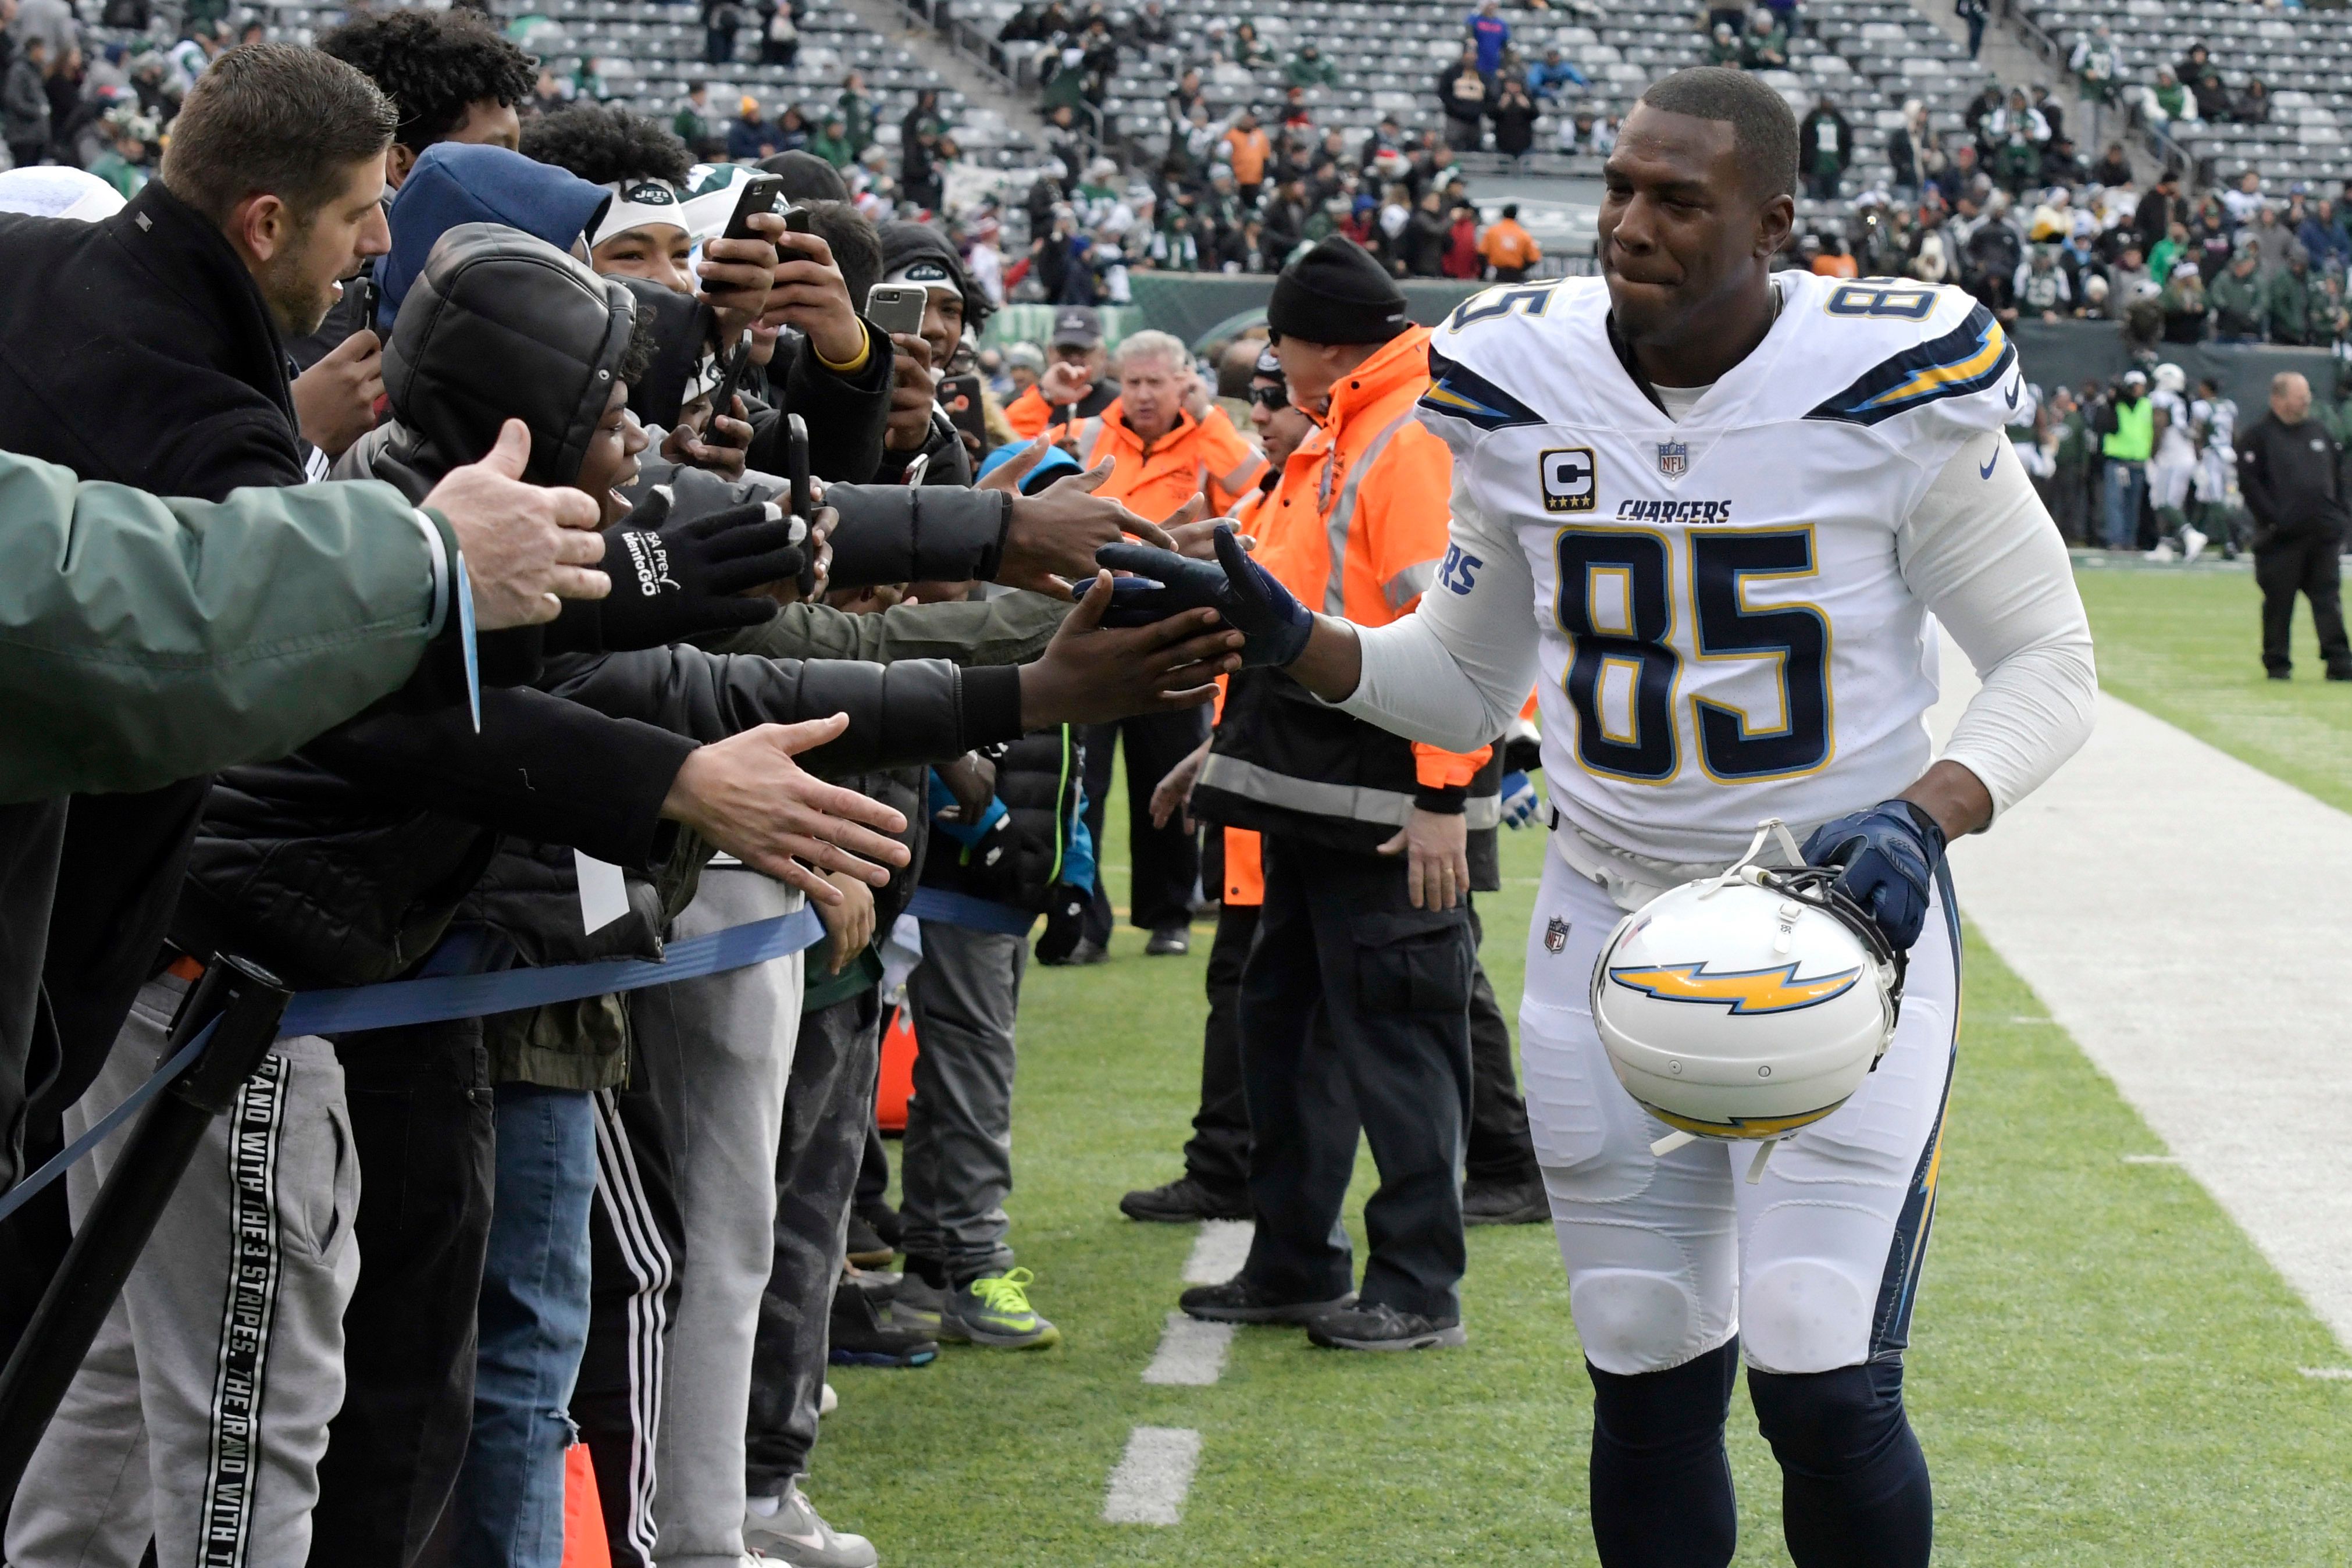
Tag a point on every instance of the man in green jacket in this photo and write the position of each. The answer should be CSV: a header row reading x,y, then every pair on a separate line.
x,y
2291,300
143,641
1307,68
2241,307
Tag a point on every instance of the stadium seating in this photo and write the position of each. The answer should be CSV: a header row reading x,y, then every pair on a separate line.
x,y
1871,56
2303,58
648,53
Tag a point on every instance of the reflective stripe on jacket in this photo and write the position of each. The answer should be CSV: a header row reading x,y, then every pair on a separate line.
x,y
1356,528
1205,457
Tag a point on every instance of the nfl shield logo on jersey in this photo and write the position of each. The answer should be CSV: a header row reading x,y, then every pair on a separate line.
x,y
1554,934
1673,459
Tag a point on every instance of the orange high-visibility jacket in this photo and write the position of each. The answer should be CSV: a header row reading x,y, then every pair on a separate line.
x,y
1207,456
1029,413
1356,528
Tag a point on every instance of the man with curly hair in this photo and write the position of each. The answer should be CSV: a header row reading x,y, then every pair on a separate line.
x,y
451,77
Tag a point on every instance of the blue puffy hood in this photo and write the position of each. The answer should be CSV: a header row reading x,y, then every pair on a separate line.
x,y
456,182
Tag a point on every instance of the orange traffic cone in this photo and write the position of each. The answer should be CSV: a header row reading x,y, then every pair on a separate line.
x,y
897,1085
584,1513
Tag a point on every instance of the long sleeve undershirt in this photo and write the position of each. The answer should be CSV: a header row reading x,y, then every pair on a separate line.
x,y
1981,554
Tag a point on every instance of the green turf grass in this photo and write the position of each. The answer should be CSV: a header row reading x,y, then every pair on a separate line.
x,y
2103,1371
2187,647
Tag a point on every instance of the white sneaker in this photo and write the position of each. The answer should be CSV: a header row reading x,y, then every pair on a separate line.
x,y
2192,544
828,1403
2163,550
795,1534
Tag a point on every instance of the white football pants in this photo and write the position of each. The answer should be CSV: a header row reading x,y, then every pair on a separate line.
x,y
1815,1265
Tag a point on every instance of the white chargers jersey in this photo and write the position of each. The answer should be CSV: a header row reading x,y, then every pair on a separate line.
x,y
1725,631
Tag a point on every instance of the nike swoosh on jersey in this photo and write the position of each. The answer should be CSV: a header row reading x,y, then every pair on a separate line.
x,y
2013,387
1990,463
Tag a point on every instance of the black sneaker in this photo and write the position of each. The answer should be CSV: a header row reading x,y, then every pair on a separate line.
x,y
1503,1203
1239,1301
860,1337
884,1221
1179,1201
2340,673
1168,941
2282,674
1088,950
867,1250
1381,1327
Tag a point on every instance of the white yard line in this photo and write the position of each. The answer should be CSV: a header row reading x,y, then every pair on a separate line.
x,y
1192,1353
1219,1253
1152,1476
2185,918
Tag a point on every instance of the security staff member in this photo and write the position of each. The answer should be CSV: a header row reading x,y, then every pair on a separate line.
x,y
1357,987
2127,426
2290,471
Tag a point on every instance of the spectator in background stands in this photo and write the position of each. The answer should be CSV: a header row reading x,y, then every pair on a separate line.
x,y
1489,33
1308,67
1247,149
2016,134
2168,252
1508,249
2323,238
2042,289
2274,240
919,140
1548,76
1903,145
2184,304
547,94
857,114
2169,101
695,125
1723,47
1515,117
1249,51
1461,259
1972,13
25,104
2241,304
1766,47
1150,28
2159,211
2113,168
1461,93
2290,293
2093,64
721,18
751,136
1825,142
2253,105
779,33
2244,200
832,141
1420,249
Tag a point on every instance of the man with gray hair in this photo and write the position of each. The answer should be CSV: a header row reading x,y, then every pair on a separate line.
x,y
1170,451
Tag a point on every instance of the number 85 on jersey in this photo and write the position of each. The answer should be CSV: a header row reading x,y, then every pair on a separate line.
x,y
1689,646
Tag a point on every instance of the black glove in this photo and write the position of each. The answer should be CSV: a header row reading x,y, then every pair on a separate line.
x,y
672,581
1274,624
1065,921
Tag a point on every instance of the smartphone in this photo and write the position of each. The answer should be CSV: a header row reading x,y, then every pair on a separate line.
x,y
739,364
761,194
796,473
960,395
897,306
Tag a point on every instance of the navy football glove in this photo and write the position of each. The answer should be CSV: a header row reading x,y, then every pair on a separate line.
x,y
1274,627
1888,854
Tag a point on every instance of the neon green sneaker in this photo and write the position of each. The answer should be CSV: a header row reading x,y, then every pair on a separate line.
x,y
994,1311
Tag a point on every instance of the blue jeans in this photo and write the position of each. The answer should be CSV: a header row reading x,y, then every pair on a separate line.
x,y
509,1508
2126,482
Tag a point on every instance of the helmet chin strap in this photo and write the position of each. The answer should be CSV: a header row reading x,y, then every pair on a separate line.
x,y
1745,868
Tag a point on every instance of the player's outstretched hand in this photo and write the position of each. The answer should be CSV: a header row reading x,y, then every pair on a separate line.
x,y
1274,624
1888,854
1056,532
1090,675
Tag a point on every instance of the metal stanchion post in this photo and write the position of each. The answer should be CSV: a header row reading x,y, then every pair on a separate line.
x,y
247,1001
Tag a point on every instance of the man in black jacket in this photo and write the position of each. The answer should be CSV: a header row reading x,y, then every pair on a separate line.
x,y
2290,471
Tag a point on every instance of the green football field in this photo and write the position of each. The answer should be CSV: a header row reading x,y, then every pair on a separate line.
x,y
2102,1371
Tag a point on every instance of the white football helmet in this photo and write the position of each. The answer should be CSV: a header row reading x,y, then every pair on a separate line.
x,y
1746,1006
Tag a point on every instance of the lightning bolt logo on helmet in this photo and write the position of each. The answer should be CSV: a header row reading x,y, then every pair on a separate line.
x,y
1748,991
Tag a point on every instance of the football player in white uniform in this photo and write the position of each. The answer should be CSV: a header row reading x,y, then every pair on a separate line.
x,y
1715,507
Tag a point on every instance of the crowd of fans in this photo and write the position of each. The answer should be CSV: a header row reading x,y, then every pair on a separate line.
x,y
403,258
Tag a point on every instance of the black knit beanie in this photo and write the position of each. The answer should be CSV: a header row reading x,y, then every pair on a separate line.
x,y
1337,293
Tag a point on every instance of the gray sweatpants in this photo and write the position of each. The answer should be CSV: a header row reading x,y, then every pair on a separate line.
x,y
957,1162
732,1036
201,1412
